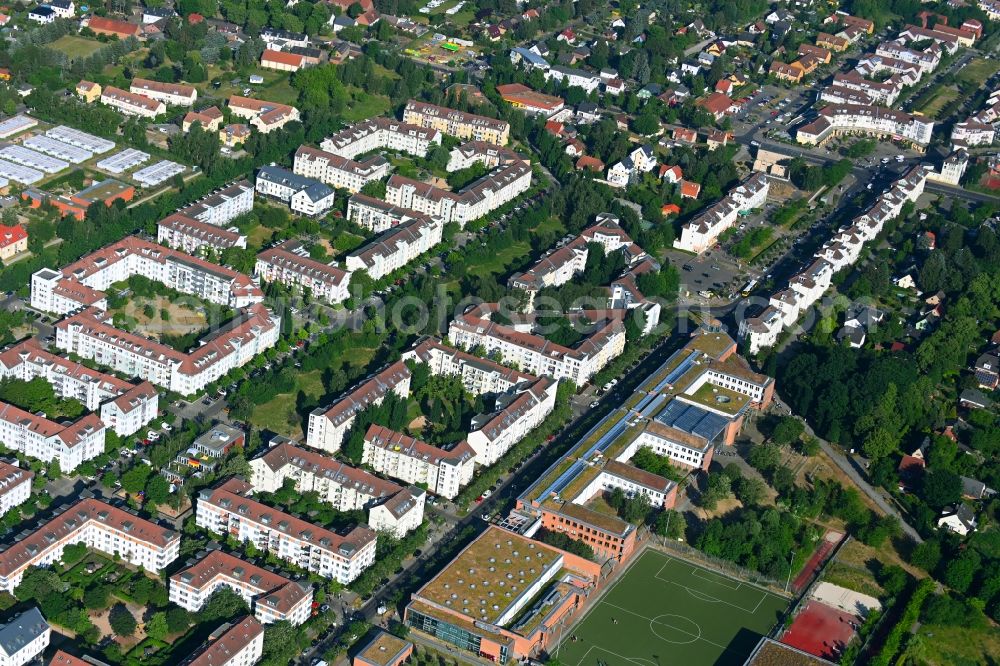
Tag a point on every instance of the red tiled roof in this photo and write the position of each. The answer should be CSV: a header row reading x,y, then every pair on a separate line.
x,y
11,235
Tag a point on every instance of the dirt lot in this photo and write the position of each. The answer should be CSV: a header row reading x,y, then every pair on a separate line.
x,y
184,317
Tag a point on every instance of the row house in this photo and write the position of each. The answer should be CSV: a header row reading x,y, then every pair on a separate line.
x,y
272,597
209,118
927,60
901,73
460,124
702,232
396,247
536,355
97,525
377,215
391,507
171,94
281,264
328,426
382,134
842,250
90,335
132,104
472,203
191,236
228,511
948,38
339,172
443,471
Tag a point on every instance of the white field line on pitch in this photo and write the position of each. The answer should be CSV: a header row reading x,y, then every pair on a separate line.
x,y
635,660
707,597
652,621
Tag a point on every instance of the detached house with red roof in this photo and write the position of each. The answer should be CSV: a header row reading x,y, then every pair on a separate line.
x,y
716,104
107,26
13,240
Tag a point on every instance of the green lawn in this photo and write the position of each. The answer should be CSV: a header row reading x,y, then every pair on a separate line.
x,y
665,611
364,105
499,262
943,97
977,70
75,46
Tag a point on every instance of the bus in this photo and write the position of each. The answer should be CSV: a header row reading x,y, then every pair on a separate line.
x,y
749,288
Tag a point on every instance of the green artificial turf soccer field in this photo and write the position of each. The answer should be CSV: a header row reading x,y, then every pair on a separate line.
x,y
665,611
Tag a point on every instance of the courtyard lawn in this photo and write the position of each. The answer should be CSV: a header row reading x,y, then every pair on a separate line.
x,y
500,261
364,105
943,98
977,70
75,46
666,611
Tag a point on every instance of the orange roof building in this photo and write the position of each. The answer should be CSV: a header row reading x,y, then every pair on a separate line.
x,y
690,189
107,26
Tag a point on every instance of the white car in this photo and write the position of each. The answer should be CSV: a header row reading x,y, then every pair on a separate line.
x,y
152,435
166,427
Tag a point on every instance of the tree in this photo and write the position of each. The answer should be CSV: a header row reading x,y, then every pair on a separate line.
x,y
224,604
787,430
134,480
178,619
157,490
157,626
926,555
750,490
96,597
121,620
961,571
941,487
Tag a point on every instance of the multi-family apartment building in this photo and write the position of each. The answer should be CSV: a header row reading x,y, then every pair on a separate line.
x,y
132,104
842,250
391,507
517,412
124,407
283,264
838,119
264,116
479,376
488,154
222,206
90,334
191,236
303,195
228,510
15,485
99,526
272,597
444,471
38,437
382,134
702,232
536,355
24,638
641,160
463,125
395,248
171,94
852,88
329,425
339,172
377,215
82,283
240,643
209,118
476,200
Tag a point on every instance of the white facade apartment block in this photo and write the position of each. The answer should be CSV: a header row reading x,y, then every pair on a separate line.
x,y
227,511
519,412
238,644
192,236
273,597
702,232
396,247
222,206
390,506
100,527
329,425
376,215
339,172
479,376
444,472
15,486
38,437
169,93
24,638
381,133
312,202
324,281
131,104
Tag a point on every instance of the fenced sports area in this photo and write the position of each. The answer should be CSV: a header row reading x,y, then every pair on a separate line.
x,y
665,611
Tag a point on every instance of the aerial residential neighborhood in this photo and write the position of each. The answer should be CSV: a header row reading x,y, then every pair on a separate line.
x,y
465,333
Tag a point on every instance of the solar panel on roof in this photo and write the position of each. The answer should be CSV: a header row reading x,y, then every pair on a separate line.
x,y
692,419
